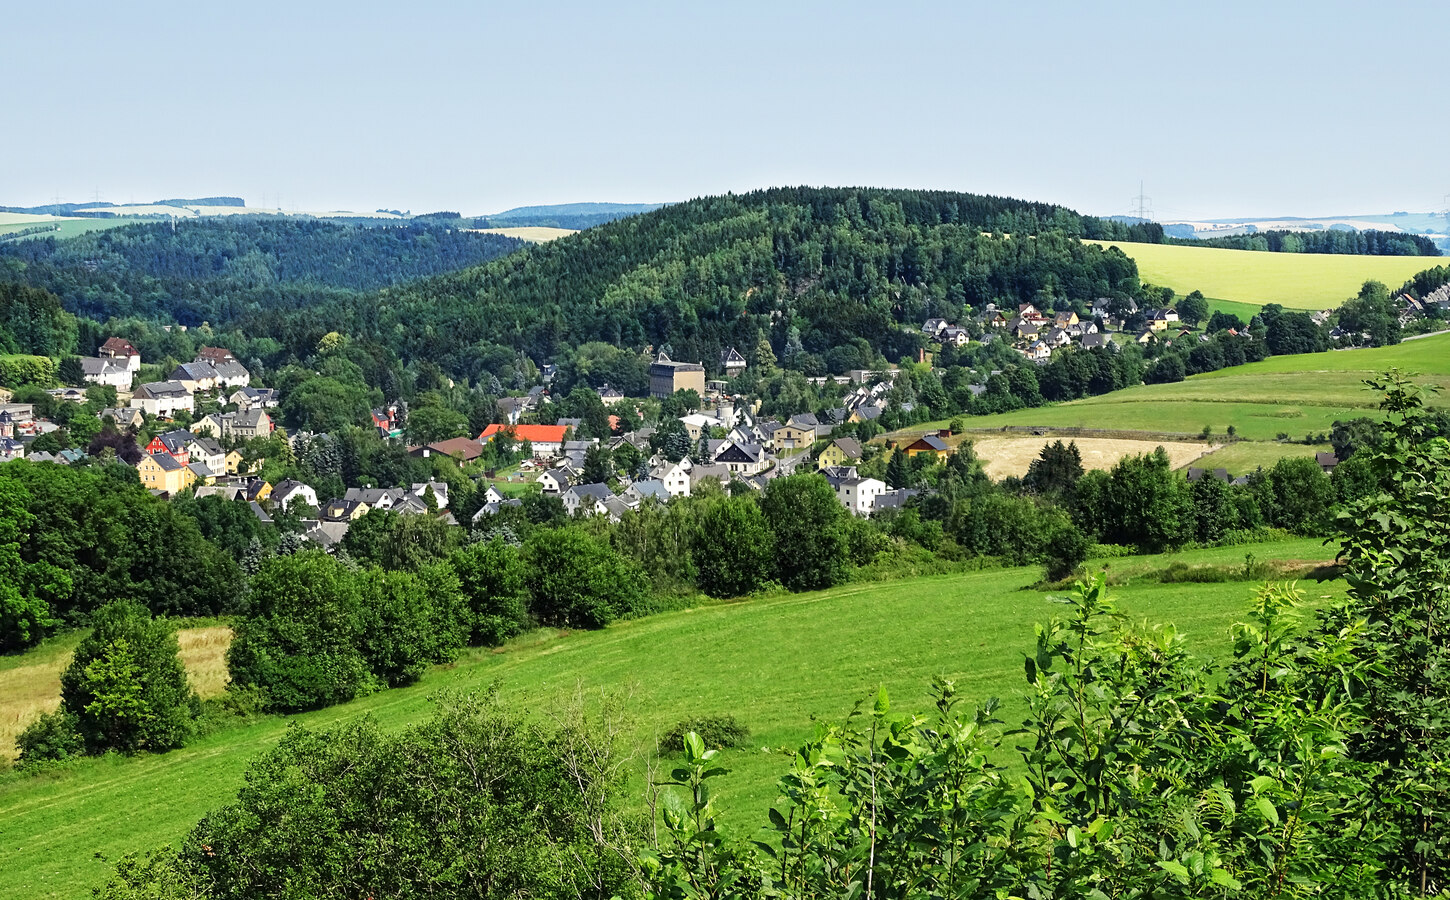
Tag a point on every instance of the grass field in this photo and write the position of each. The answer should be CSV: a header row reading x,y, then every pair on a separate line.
x,y
1296,280
534,234
1294,395
773,662
1243,457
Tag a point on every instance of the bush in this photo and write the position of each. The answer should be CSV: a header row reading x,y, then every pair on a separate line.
x,y
1067,549
493,579
577,581
716,732
809,525
54,736
733,550
126,686
409,621
299,641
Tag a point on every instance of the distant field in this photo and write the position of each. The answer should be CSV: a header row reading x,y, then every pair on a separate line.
x,y
1295,280
1002,457
1245,311
1243,457
534,234
68,228
773,663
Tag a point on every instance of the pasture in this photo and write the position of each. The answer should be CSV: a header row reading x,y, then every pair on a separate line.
x,y
1295,280
534,234
773,662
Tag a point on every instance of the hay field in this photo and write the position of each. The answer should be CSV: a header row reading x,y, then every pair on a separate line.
x,y
534,234
30,683
1010,456
1295,280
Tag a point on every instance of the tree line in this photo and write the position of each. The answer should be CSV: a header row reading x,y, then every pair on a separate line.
x,y
1370,242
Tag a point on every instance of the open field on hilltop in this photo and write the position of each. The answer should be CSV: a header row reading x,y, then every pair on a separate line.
x,y
1004,456
534,234
1296,280
30,682
1294,395
772,662
69,228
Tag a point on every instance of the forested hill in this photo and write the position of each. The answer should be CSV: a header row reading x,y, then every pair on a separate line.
x,y
211,268
807,269
1359,243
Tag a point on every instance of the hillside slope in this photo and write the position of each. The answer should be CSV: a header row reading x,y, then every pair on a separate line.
x,y
64,833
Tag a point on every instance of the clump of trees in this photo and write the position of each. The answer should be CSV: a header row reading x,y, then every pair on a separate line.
x,y
125,689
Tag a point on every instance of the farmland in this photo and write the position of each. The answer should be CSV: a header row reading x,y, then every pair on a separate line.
x,y
1294,280
1004,456
66,829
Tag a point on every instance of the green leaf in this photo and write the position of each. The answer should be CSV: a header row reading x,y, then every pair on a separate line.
x,y
1268,811
1222,877
1176,869
883,702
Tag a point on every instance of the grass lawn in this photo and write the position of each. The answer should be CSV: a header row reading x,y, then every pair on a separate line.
x,y
1296,280
1245,311
1243,457
773,662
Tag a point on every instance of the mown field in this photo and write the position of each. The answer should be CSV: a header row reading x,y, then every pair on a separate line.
x,y
1295,280
772,662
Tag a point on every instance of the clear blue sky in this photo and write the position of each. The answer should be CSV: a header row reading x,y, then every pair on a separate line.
x,y
1220,108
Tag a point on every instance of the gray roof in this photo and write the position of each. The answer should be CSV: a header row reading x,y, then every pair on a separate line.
x,y
194,371
155,390
893,499
230,368
251,418
850,446
596,491
166,461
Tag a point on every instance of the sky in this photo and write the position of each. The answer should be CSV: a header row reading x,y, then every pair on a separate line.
x,y
1217,109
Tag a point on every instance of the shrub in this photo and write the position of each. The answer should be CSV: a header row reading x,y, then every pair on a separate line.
x,y
809,525
409,621
716,732
493,580
299,641
1067,549
126,686
577,581
54,736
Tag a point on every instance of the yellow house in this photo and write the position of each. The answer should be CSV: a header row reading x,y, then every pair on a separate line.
x,y
841,452
163,473
234,462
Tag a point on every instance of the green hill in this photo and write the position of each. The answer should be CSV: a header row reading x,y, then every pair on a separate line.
x,y
1294,395
771,662
1294,280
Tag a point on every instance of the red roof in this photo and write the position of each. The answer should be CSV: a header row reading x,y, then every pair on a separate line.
x,y
119,346
534,434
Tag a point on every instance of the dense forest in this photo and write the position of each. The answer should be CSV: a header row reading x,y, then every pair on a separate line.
x,y
216,269
804,269
1358,243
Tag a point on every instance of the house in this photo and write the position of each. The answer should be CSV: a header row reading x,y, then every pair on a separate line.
x,y
343,510
547,440
554,481
1064,319
258,489
731,362
69,394
162,472
385,420
1327,462
927,443
492,507
231,374
1196,474
1038,352
893,499
327,534
254,398
289,492
492,495
675,477
742,459
119,350
259,512
105,371
438,489
715,471
857,494
233,462
459,449
242,425
195,376
208,452
214,355
11,449
375,498
957,337
586,499
124,417
227,492
840,452
1160,319
202,473
163,399
1145,336
609,394
647,489
174,443
667,377
1096,341
933,327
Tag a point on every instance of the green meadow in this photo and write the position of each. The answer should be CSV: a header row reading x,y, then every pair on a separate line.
x,y
773,662
1295,280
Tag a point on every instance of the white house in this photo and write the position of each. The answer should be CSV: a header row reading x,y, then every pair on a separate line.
x,y
586,499
162,399
676,478
120,351
104,371
855,493
288,492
